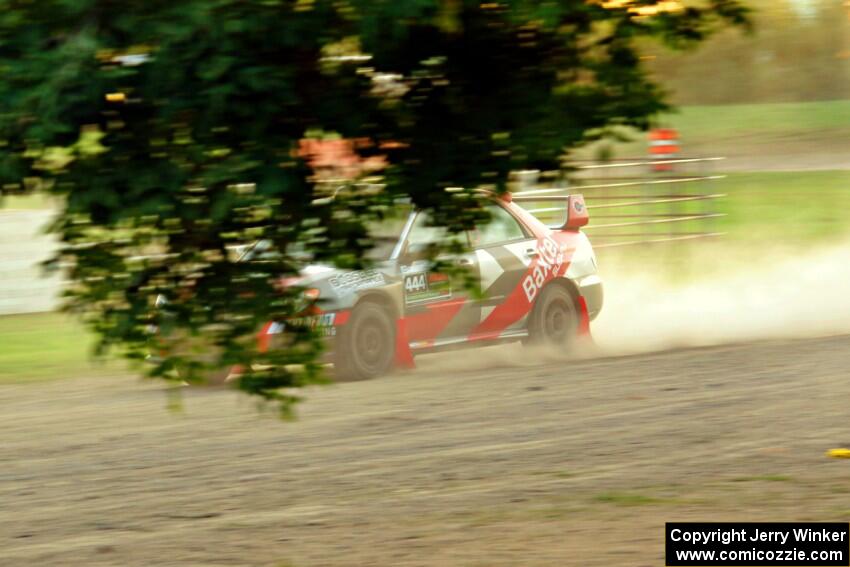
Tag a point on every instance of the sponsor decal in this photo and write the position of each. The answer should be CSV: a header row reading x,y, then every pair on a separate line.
x,y
549,260
417,266
424,286
323,323
352,281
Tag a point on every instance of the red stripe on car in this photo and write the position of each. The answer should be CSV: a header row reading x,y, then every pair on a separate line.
x,y
428,324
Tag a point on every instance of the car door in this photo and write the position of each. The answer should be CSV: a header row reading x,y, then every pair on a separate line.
x,y
504,249
438,307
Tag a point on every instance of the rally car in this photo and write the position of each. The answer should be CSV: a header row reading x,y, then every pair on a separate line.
x,y
537,284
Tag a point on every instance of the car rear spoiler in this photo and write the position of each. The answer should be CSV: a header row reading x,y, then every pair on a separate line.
x,y
573,205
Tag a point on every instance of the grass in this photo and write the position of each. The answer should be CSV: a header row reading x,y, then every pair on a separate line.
x,y
788,206
557,508
629,499
746,129
46,346
564,474
763,478
720,123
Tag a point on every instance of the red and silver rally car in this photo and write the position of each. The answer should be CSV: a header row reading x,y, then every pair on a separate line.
x,y
539,284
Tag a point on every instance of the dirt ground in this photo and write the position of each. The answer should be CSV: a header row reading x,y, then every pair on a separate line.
x,y
562,463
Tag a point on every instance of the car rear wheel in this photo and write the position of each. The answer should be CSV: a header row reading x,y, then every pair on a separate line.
x,y
365,346
554,319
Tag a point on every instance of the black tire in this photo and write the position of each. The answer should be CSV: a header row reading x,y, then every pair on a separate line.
x,y
365,346
554,319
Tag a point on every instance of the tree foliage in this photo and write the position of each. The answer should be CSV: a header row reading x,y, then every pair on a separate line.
x,y
174,131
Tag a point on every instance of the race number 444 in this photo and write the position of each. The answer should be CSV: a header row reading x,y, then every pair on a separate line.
x,y
416,283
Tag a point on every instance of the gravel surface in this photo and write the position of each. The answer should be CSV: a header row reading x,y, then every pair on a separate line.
x,y
558,463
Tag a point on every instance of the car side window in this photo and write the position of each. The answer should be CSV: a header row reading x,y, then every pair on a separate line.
x,y
422,233
503,227
420,236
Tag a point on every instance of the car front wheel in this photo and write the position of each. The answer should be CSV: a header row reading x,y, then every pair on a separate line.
x,y
365,346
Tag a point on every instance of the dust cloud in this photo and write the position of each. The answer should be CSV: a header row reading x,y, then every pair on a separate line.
x,y
759,295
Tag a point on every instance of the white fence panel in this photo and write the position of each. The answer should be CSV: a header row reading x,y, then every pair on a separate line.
x,y
23,246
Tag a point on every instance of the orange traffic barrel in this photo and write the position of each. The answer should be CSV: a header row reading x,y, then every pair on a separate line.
x,y
663,146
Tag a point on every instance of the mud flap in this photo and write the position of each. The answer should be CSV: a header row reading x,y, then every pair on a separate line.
x,y
235,373
583,320
403,354
264,337
263,343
